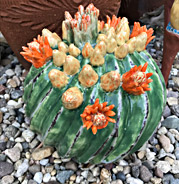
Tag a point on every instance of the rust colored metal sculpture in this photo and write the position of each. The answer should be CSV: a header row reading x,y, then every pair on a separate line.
x,y
171,43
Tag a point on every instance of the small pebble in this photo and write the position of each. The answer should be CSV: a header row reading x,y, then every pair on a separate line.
x,y
38,177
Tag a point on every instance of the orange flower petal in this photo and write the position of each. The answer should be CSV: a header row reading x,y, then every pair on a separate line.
x,y
94,129
110,113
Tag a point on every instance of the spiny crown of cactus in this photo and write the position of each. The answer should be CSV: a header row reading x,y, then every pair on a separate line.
x,y
97,76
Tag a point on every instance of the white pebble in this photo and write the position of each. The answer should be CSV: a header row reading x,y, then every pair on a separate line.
x,y
38,177
22,168
46,177
164,166
162,130
28,135
44,162
132,180
9,72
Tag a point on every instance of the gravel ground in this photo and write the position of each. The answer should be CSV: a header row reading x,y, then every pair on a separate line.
x,y
156,162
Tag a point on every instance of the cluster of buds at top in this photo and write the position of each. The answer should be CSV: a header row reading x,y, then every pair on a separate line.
x,y
83,27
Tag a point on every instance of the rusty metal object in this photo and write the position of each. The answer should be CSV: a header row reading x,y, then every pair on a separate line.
x,y
23,20
171,44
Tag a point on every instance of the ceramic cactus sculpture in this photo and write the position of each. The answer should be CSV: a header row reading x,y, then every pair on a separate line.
x,y
97,95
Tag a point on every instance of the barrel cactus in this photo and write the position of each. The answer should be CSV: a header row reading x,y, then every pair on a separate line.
x,y
96,95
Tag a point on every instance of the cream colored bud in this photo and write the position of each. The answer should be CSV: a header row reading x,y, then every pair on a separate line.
x,y
141,41
132,44
121,51
72,98
111,33
111,45
101,46
101,37
88,77
58,58
97,58
63,47
87,50
110,81
71,65
58,78
53,38
73,50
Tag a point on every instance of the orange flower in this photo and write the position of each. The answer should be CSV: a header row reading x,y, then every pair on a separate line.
x,y
111,22
37,52
137,29
136,81
96,116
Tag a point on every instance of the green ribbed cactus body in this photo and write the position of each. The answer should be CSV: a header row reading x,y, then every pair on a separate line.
x,y
136,116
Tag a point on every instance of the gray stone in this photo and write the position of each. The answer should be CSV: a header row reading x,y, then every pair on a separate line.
x,y
18,70
162,153
71,166
148,164
158,172
95,171
175,110
164,166
2,157
3,80
34,169
1,116
10,131
172,94
9,72
120,175
165,141
131,180
42,153
63,176
2,102
117,182
16,94
44,162
7,179
145,174
167,111
3,146
38,177
172,101
46,177
85,174
28,135
135,171
5,169
22,168
32,182
175,167
12,104
176,82
171,137
171,122
168,178
13,154
177,153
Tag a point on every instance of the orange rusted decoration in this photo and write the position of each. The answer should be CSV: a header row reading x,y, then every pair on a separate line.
x,y
38,52
96,116
136,81
137,29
